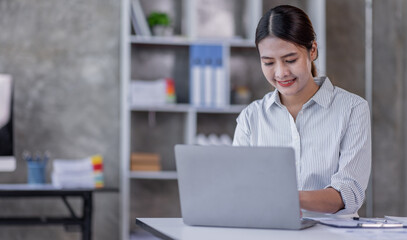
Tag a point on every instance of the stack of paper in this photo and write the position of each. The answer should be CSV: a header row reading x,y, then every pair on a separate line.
x,y
402,220
155,92
81,173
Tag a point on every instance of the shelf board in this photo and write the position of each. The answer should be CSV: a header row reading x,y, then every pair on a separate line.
x,y
183,41
158,175
183,108
162,108
228,109
242,43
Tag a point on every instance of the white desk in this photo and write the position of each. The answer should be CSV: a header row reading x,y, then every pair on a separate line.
x,y
174,228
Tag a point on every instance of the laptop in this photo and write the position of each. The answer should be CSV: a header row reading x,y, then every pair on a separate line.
x,y
248,187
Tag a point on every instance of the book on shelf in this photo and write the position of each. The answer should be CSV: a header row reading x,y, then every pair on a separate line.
x,y
208,87
145,162
139,19
78,173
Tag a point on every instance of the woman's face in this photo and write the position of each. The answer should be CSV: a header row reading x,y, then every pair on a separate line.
x,y
287,66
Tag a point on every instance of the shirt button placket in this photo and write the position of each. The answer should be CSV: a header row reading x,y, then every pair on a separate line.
x,y
296,145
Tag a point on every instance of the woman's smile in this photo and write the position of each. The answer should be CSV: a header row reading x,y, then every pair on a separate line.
x,y
286,83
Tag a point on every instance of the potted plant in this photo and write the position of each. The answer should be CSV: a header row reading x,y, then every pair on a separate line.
x,y
160,23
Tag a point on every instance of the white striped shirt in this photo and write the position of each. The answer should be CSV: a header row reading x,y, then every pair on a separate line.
x,y
331,137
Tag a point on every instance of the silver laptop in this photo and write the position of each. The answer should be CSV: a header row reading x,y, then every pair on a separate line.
x,y
250,187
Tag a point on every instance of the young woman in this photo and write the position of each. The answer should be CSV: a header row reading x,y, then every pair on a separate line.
x,y
328,127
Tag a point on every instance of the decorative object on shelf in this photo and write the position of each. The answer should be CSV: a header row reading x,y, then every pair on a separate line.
x,y
215,19
145,162
153,92
78,173
208,85
241,95
213,139
139,19
160,23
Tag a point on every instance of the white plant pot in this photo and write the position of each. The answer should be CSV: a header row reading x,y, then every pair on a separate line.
x,y
162,31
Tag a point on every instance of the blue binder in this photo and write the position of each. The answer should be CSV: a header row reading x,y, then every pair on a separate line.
x,y
195,63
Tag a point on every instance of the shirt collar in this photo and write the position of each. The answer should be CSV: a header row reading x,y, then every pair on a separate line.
x,y
325,93
322,97
274,99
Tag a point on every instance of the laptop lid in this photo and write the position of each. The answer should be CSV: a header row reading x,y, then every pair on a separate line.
x,y
227,186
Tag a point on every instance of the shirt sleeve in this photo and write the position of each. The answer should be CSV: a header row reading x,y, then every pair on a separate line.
x,y
354,168
242,132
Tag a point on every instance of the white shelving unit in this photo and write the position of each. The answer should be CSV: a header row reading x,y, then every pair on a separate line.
x,y
181,41
186,108
253,11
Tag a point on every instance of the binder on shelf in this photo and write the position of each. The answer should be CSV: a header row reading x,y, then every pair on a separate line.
x,y
196,75
139,20
220,86
207,76
208,69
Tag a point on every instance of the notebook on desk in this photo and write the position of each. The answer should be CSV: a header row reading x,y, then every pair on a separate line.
x,y
251,187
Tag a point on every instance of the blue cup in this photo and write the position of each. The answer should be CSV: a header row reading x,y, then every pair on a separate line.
x,y
36,172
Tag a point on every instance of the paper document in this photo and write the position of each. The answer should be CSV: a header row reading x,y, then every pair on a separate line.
x,y
371,234
359,222
402,220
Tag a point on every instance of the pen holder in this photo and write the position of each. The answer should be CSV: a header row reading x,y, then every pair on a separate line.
x,y
36,172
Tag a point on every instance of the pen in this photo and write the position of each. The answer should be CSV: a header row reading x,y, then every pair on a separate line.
x,y
370,225
37,156
27,156
46,156
380,225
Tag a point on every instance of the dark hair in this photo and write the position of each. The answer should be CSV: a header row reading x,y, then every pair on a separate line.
x,y
290,24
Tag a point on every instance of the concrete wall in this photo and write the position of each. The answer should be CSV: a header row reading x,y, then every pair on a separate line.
x,y
345,34
345,66
389,107
64,58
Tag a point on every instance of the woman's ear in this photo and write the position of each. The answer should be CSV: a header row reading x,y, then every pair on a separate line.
x,y
314,51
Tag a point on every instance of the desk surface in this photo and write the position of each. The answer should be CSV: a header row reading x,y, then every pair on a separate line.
x,y
37,187
38,190
174,228
49,187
